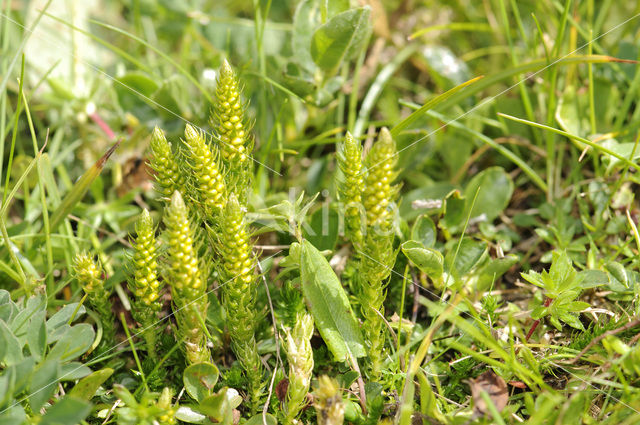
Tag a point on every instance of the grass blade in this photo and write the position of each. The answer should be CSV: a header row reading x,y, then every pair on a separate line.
x,y
80,188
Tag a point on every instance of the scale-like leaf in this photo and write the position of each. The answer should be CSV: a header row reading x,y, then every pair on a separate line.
x,y
329,305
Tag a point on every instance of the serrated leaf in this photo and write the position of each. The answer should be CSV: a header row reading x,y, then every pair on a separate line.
x,y
572,321
428,260
539,312
199,380
86,388
329,305
341,38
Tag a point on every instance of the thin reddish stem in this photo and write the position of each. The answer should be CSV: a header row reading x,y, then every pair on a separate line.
x,y
547,303
103,125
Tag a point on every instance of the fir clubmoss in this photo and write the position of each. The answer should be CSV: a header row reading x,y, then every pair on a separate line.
x,y
144,284
351,186
377,256
239,292
300,358
378,191
188,288
89,275
169,177
229,121
329,405
207,177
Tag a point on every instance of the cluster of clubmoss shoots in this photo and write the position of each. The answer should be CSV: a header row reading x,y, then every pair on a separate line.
x,y
350,187
89,275
239,291
207,177
144,284
187,286
329,405
300,358
228,120
376,255
169,177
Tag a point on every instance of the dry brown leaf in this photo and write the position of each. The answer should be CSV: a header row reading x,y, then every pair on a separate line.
x,y
493,385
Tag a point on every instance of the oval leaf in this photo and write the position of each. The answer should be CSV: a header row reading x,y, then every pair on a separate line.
x,y
74,343
494,188
329,305
340,38
260,420
428,260
462,259
424,231
199,380
86,388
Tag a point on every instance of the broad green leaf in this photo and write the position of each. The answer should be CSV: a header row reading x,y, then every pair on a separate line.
x,y
306,18
268,419
199,380
37,334
62,317
494,188
140,82
424,231
592,278
341,38
323,231
8,308
445,67
569,113
329,305
465,257
428,260
21,376
86,388
454,206
571,320
68,411
74,343
217,407
43,384
73,370
189,415
13,415
10,348
494,269
19,325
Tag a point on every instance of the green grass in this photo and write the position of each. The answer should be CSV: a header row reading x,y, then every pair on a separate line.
x,y
512,245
